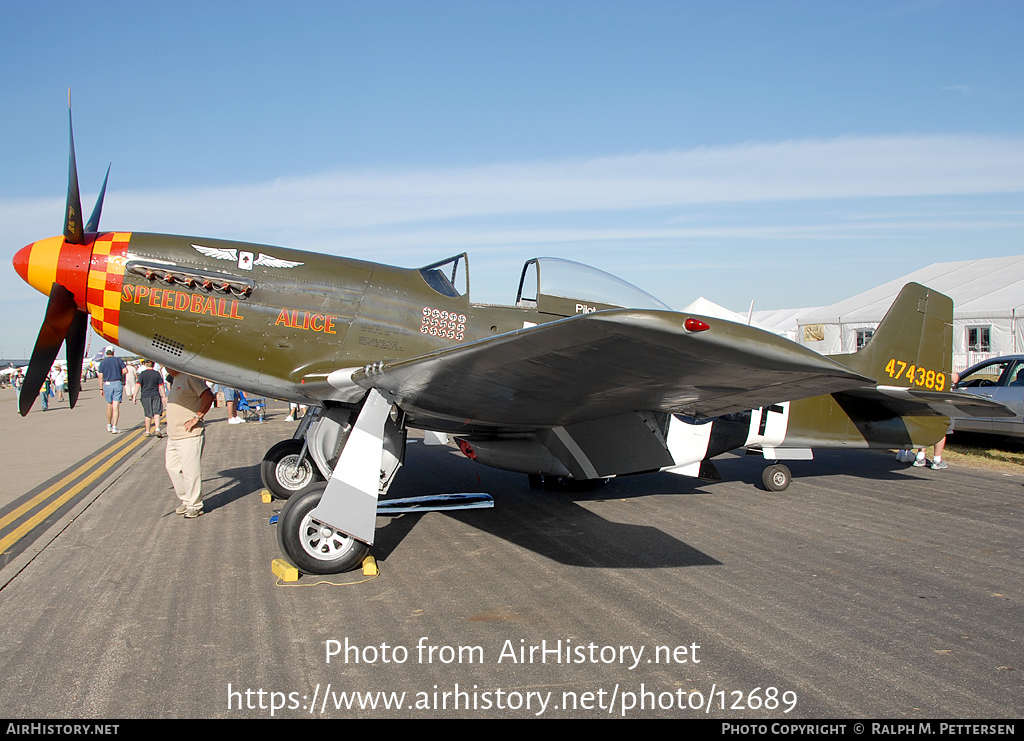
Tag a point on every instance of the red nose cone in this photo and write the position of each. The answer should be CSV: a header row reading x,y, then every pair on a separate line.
x,y
21,258
52,260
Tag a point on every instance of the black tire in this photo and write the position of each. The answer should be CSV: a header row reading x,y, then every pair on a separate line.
x,y
571,485
312,547
556,483
279,473
776,477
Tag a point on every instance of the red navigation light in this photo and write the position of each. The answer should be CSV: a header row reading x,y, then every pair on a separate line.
x,y
695,325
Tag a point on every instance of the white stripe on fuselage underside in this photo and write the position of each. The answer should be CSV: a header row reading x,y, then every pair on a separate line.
x,y
576,452
687,444
768,426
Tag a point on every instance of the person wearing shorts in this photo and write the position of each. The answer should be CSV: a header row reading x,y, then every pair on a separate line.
x,y
111,375
150,389
60,381
231,401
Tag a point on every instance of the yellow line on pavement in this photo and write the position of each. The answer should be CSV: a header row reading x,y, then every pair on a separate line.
x,y
131,442
45,494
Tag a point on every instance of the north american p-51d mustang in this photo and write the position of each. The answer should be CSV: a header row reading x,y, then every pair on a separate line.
x,y
585,377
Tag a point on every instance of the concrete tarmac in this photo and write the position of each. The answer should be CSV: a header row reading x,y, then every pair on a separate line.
x,y
868,589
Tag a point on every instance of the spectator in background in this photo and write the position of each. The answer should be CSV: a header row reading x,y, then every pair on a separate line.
x,y
130,380
111,374
60,381
151,390
921,460
231,401
19,380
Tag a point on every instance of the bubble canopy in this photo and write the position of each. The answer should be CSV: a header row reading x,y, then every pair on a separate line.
x,y
553,276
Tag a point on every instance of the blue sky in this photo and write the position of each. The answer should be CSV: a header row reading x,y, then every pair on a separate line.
x,y
788,153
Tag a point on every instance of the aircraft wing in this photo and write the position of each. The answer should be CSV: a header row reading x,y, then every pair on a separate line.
x,y
914,402
605,363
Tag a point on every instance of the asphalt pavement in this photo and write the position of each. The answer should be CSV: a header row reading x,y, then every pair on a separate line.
x,y
868,589
45,443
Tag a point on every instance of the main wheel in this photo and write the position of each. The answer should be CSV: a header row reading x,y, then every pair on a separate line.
x,y
313,546
282,471
776,477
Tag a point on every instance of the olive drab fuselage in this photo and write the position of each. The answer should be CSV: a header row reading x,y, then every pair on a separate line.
x,y
278,329
289,324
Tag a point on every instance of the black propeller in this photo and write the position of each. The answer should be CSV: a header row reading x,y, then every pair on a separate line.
x,y
60,315
65,321
93,225
74,232
75,343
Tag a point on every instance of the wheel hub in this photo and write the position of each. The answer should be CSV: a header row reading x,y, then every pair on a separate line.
x,y
294,474
321,541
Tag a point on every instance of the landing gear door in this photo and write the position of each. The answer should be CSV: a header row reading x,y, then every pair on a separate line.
x,y
768,426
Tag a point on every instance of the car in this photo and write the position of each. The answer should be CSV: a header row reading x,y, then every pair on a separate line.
x,y
999,379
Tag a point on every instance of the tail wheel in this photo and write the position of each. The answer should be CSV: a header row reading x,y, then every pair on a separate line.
x,y
315,547
568,484
776,477
282,471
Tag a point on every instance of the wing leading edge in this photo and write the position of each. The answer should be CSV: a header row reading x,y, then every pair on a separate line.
x,y
605,363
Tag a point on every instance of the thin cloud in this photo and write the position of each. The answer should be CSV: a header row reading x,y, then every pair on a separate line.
x,y
847,167
339,202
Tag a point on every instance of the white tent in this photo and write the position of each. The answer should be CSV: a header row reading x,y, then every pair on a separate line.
x,y
783,322
707,307
988,300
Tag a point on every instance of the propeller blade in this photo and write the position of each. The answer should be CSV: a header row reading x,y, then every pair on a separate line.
x,y
60,314
74,233
93,224
75,346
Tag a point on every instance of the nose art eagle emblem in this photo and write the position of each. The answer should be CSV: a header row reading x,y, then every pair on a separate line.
x,y
245,259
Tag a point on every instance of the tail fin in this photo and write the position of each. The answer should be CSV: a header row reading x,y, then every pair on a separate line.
x,y
913,345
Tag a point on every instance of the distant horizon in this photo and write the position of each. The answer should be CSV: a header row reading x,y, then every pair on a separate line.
x,y
62,359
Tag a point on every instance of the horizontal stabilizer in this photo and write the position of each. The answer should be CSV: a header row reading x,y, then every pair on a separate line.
x,y
912,402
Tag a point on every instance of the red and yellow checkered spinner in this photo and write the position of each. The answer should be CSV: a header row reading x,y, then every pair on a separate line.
x,y
92,272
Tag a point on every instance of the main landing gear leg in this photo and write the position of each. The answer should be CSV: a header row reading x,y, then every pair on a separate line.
x,y
326,529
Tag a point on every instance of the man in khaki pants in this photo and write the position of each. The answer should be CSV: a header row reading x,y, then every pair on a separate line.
x,y
188,401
